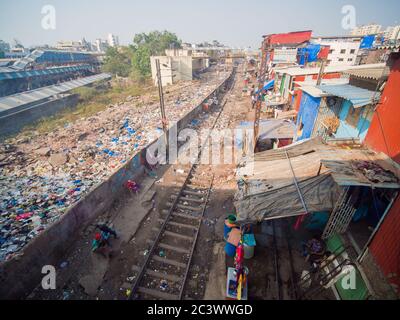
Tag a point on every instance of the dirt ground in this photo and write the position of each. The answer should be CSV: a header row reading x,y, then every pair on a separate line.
x,y
85,275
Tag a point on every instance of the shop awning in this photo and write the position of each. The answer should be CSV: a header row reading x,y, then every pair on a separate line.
x,y
359,97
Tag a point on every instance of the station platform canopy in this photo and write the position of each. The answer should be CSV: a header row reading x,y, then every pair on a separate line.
x,y
12,103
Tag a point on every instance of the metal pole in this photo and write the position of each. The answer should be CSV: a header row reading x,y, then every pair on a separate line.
x,y
296,184
321,72
162,106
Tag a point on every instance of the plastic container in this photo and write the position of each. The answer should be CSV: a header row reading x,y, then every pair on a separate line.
x,y
249,243
248,251
230,250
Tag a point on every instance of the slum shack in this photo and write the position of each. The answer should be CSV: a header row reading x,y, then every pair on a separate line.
x,y
328,196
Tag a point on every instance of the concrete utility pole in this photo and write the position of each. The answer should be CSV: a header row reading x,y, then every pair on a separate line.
x,y
162,106
321,72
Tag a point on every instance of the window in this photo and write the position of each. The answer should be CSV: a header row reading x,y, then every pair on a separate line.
x,y
343,51
341,59
350,59
331,51
352,51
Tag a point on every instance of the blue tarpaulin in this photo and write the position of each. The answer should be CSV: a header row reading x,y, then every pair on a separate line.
x,y
267,86
367,42
308,54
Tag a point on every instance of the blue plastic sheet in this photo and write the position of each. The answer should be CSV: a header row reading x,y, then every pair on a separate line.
x,y
367,42
308,54
267,86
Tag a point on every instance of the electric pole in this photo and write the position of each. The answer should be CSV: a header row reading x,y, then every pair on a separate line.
x,y
321,72
162,106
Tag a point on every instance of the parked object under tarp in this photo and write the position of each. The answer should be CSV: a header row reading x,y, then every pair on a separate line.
x,y
266,188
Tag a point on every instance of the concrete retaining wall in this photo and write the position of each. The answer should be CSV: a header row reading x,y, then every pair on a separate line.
x,y
11,123
20,275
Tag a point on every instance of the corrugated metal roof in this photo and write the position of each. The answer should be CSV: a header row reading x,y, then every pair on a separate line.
x,y
359,97
370,73
390,47
310,87
324,81
297,71
314,91
7,73
20,99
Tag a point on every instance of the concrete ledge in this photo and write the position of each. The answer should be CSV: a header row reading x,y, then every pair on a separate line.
x,y
20,275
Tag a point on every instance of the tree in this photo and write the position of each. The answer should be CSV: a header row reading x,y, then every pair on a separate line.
x,y
141,61
151,44
134,60
118,62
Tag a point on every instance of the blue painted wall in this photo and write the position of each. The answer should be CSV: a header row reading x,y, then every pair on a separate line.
x,y
347,131
308,112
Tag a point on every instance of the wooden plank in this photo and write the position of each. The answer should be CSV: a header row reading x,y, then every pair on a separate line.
x,y
196,187
173,234
160,275
178,235
158,294
181,225
184,207
188,199
173,248
169,261
192,193
181,215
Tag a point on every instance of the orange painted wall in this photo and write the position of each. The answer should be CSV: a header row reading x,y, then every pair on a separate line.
x,y
384,135
384,131
385,247
299,94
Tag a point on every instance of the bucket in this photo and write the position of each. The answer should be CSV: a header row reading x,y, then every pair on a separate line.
x,y
248,251
230,249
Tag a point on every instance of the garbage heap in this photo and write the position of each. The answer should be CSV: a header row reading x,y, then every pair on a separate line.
x,y
42,176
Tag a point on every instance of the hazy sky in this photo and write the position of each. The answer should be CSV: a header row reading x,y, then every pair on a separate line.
x,y
232,22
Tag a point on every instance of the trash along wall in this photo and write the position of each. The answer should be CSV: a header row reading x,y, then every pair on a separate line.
x,y
22,273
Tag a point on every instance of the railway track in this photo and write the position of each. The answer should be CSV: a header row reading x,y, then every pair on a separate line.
x,y
164,273
285,289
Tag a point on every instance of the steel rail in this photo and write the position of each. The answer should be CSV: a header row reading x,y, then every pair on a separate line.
x,y
148,258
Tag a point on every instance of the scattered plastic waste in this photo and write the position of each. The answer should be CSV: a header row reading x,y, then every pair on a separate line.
x,y
44,174
163,285
162,254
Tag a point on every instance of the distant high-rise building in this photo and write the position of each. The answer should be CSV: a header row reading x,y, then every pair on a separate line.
x,y
101,45
366,30
113,40
392,33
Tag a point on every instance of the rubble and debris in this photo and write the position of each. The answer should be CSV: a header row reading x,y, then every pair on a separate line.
x,y
43,175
